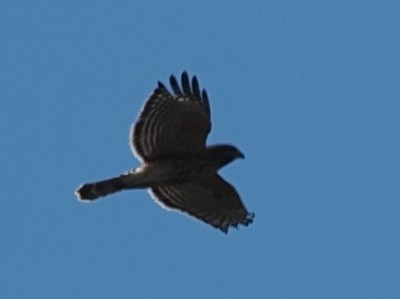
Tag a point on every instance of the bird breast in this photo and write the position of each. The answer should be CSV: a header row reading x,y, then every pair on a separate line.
x,y
175,170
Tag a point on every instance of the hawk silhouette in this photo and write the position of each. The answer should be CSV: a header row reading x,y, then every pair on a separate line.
x,y
169,139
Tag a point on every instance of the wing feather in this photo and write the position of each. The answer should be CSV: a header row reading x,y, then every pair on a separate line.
x,y
212,200
172,122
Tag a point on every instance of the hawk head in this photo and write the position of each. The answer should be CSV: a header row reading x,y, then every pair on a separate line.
x,y
224,154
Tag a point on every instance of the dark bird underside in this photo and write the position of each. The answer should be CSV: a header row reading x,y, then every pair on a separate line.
x,y
169,138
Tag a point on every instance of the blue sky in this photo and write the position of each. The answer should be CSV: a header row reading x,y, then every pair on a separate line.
x,y
308,90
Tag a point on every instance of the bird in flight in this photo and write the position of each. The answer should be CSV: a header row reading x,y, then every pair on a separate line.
x,y
180,170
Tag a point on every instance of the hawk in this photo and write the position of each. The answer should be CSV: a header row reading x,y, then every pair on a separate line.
x,y
169,139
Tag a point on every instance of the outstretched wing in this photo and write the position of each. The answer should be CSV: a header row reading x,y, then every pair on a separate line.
x,y
211,200
172,122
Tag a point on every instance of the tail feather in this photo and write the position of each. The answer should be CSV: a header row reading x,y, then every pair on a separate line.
x,y
92,191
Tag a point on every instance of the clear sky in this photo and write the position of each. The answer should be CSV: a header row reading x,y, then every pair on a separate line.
x,y
308,90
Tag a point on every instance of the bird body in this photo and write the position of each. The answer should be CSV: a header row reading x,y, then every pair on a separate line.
x,y
174,168
177,166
